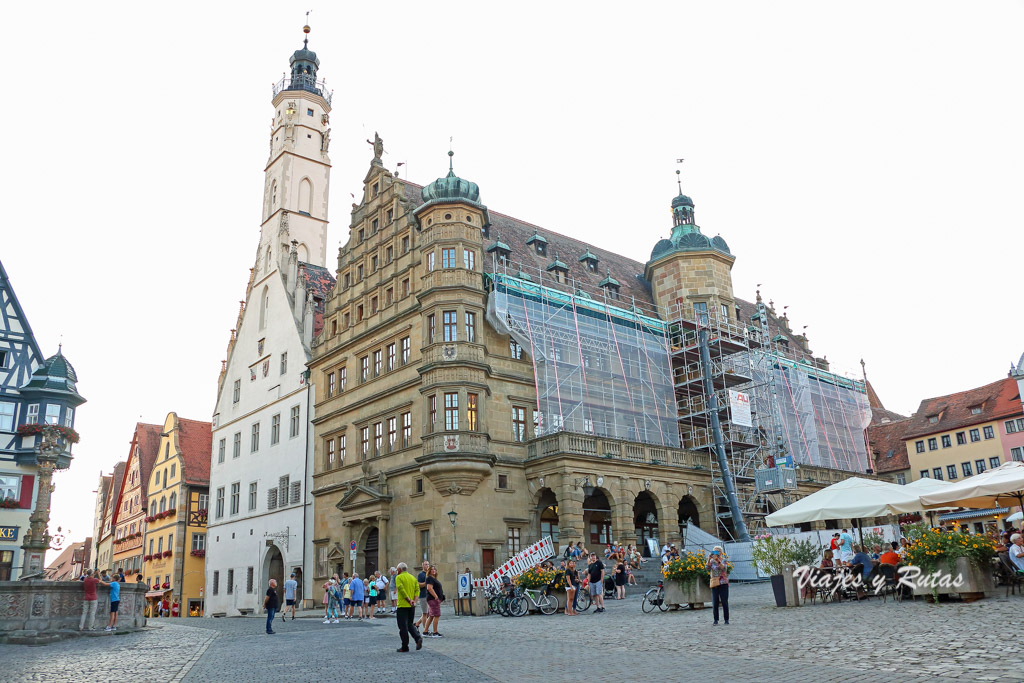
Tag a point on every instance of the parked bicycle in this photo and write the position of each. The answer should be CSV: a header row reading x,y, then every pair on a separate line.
x,y
654,598
520,604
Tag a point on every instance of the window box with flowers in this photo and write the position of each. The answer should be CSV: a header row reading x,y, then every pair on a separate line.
x,y
958,558
150,519
9,504
147,558
37,429
165,585
687,580
198,553
167,553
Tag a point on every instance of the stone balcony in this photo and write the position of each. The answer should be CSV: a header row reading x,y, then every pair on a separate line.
x,y
567,443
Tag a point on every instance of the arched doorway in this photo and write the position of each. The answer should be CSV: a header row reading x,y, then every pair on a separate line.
x,y
548,506
274,569
597,518
370,547
645,521
688,515
298,581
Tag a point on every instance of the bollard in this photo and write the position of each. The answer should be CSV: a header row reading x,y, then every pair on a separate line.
x,y
792,592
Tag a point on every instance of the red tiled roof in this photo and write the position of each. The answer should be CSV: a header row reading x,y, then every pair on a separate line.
x,y
148,438
319,281
997,400
195,441
113,498
888,448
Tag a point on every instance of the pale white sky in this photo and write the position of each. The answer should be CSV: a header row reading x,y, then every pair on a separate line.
x,y
863,161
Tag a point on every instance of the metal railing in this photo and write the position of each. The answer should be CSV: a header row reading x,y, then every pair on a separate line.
x,y
305,83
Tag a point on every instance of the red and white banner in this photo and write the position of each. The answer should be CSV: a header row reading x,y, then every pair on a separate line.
x,y
531,557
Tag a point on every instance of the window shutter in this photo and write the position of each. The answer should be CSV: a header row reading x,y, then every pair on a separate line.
x,y
271,499
282,491
27,484
296,491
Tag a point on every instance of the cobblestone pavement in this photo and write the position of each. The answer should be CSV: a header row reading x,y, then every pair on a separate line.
x,y
857,642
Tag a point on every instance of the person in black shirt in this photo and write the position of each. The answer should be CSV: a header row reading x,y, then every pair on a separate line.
x,y
270,603
595,576
572,588
620,580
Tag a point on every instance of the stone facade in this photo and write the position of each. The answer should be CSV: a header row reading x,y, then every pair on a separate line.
x,y
35,608
693,277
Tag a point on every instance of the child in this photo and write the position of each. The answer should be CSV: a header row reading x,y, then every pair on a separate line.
x,y
373,599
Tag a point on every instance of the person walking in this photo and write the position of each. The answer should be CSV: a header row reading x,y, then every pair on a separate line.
x,y
391,589
382,592
89,583
718,569
407,589
270,604
290,586
435,596
333,597
422,580
572,587
115,602
357,593
372,593
595,574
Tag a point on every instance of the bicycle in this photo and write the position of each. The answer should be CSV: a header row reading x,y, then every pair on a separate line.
x,y
583,599
520,604
655,597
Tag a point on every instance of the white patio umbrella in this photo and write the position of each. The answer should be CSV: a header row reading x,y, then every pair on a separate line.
x,y
1003,485
1015,517
853,498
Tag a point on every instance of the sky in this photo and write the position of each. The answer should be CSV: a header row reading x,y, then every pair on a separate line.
x,y
862,160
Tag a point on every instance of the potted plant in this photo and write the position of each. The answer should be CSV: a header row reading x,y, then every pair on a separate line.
x,y
9,504
538,577
167,553
147,558
36,429
770,554
165,585
954,562
687,579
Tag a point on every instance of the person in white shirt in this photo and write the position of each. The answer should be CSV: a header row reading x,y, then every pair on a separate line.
x,y
1017,551
665,550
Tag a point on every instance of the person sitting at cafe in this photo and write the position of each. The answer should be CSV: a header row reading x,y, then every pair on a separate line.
x,y
826,559
1003,543
890,556
876,552
862,559
1017,552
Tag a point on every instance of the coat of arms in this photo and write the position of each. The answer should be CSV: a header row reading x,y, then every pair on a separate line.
x,y
451,443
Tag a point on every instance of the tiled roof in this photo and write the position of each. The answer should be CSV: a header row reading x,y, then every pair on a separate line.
x,y
320,282
997,400
195,442
888,448
149,444
115,489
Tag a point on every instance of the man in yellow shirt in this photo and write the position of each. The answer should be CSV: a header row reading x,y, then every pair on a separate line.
x,y
408,590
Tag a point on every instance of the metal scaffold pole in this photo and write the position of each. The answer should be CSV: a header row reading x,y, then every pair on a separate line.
x,y
716,427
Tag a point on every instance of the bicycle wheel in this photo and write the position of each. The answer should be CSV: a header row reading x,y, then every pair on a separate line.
x,y
583,602
547,604
649,602
662,605
519,606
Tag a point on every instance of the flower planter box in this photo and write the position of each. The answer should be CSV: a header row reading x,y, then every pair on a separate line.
x,y
694,594
976,581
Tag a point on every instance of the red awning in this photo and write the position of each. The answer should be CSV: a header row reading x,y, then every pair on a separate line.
x,y
157,594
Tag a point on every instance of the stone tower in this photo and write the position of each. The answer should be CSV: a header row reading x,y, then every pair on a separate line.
x,y
689,272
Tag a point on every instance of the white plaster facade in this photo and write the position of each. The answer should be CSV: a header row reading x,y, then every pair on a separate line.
x,y
260,501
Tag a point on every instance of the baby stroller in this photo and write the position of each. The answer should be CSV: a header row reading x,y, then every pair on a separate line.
x,y
609,587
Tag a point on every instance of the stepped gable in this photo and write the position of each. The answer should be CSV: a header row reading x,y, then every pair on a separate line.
x,y
319,281
195,441
997,400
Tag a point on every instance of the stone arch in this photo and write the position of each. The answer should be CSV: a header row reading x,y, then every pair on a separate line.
x,y
370,550
303,252
273,568
547,515
597,518
306,196
688,512
645,520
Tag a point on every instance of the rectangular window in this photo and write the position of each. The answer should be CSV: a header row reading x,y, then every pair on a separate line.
x,y
69,416
231,582
961,438
322,563
364,365
392,432
951,470
376,363
471,412
1011,426
275,429
471,327
515,349
359,313
937,472
405,288
502,481
365,442
518,423
901,479
272,499
988,432
329,462
373,305
236,446
9,487
389,254
391,357
513,540
432,412
222,448
919,446
330,384
406,348
469,259
248,580
378,437
448,257
389,296
450,326
284,361
979,466
216,582
924,474
33,414
294,430
220,502
52,414
993,462
405,244
255,440
342,378
389,216
975,436
976,410
198,541
431,328
946,441
419,485
252,495
424,545
236,492
700,312
236,392
451,412
933,444
341,449
348,320
374,264
1016,455
359,275
406,429
430,261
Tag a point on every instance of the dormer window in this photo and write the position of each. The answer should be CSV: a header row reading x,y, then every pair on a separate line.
x,y
975,410
559,270
589,260
500,249
540,245
933,419
610,286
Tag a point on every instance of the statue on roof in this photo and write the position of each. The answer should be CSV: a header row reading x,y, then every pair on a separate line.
x,y
378,146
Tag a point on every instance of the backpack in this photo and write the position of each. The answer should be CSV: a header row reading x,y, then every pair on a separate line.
x,y
567,553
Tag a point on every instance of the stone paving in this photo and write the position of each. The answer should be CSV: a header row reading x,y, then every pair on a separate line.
x,y
850,641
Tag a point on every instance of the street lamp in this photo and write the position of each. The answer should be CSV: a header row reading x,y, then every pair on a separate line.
x,y
452,517
588,489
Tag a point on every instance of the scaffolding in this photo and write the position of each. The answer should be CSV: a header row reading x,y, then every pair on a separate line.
x,y
601,365
776,411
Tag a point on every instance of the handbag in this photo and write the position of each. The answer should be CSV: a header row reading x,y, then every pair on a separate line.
x,y
716,581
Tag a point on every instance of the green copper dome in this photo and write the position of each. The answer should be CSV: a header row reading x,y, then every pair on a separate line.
x,y
681,200
451,188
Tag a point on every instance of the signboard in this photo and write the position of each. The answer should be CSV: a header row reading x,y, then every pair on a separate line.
x,y
352,555
739,404
531,557
464,585
9,533
352,545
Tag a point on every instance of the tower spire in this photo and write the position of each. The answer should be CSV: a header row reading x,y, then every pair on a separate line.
x,y
306,29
